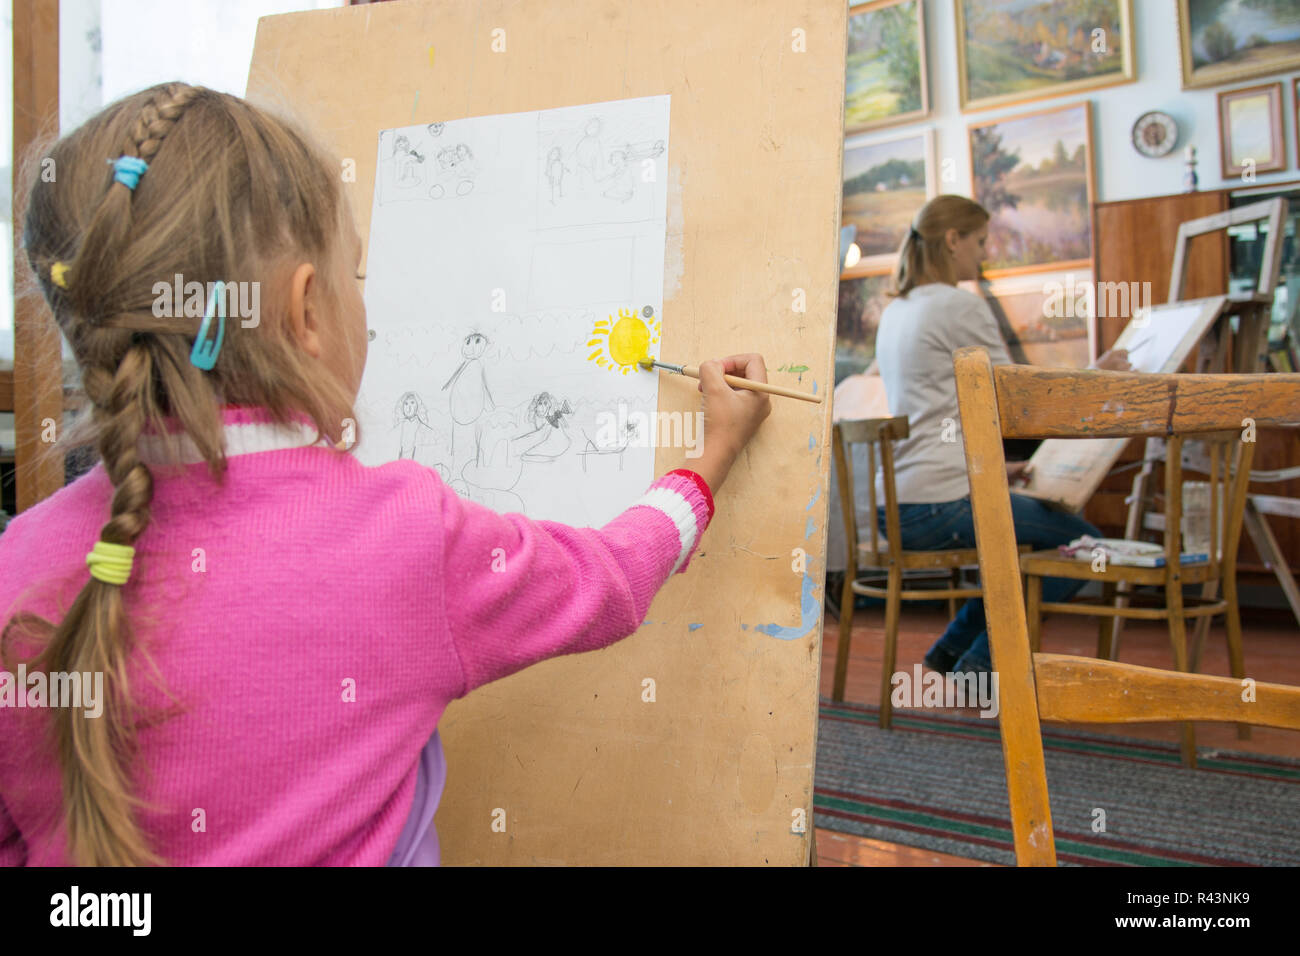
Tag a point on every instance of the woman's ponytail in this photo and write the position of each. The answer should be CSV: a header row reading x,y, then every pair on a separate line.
x,y
923,257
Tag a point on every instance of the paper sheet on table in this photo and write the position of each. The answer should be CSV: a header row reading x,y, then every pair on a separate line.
x,y
515,263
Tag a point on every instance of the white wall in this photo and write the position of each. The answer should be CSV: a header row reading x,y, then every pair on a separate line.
x,y
108,48
204,42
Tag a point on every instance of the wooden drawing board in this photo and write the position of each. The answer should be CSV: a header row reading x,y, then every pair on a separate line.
x,y
1066,471
582,767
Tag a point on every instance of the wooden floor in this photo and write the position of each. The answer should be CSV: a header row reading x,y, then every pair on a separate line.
x,y
1272,649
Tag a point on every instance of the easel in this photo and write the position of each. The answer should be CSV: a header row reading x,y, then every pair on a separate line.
x,y
571,745
1223,351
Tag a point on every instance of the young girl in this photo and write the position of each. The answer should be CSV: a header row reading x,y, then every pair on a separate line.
x,y
926,322
278,628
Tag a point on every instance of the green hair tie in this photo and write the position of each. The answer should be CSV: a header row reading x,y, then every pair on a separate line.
x,y
110,563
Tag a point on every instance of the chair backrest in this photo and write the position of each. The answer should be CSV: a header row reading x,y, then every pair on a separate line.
x,y
872,432
1027,402
1224,460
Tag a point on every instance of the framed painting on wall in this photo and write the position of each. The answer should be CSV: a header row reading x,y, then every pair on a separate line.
x,y
862,300
1222,41
886,181
1250,130
1017,51
885,77
1034,175
1049,323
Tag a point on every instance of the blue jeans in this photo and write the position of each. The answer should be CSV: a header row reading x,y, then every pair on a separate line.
x,y
949,525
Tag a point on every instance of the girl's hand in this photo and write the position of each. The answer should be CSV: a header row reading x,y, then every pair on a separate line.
x,y
731,415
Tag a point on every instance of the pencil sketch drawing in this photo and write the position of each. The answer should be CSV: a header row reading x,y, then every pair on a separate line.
x,y
514,277
624,441
548,439
455,173
406,164
607,166
446,164
417,438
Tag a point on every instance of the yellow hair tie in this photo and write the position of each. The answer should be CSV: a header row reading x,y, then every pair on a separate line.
x,y
110,563
59,274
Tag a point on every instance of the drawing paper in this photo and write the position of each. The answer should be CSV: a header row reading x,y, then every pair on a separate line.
x,y
1153,338
1066,471
515,265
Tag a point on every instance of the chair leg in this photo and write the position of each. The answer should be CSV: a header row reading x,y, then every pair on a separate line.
x,y
1106,623
892,601
1122,592
954,578
1236,653
1178,638
847,597
1034,611
1209,591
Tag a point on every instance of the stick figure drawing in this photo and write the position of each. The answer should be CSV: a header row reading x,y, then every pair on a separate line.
x,y
555,170
406,163
548,439
470,396
414,433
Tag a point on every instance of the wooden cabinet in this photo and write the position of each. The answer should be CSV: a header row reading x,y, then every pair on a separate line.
x,y
1133,241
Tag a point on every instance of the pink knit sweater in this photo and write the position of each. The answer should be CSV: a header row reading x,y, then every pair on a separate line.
x,y
310,618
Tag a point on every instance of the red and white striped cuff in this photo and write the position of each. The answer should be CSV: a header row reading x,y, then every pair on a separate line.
x,y
685,498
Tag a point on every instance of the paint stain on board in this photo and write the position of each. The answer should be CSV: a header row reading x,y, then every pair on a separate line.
x,y
809,615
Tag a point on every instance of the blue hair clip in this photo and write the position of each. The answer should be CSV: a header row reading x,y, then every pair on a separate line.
x,y
127,170
204,353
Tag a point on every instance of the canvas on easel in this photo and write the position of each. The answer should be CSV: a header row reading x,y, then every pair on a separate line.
x,y
1066,472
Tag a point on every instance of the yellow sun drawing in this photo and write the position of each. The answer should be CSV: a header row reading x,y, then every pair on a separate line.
x,y
621,342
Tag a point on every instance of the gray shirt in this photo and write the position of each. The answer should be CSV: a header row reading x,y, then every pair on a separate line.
x,y
914,345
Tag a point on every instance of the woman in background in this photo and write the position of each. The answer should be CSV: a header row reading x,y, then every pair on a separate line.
x,y
927,320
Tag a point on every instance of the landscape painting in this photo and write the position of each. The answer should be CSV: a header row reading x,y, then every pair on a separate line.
x,y
1222,41
885,184
862,300
1250,130
1014,51
1044,323
885,79
1034,175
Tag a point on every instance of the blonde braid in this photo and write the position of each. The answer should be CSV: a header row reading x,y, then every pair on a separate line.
x,y
158,117
89,274
96,754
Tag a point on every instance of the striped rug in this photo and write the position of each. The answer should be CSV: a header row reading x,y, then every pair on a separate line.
x,y
936,781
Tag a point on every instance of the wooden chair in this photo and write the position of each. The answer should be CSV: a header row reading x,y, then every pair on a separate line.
x,y
885,554
1227,484
1031,402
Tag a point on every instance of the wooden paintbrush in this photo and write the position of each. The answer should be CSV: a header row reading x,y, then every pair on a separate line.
x,y
735,381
